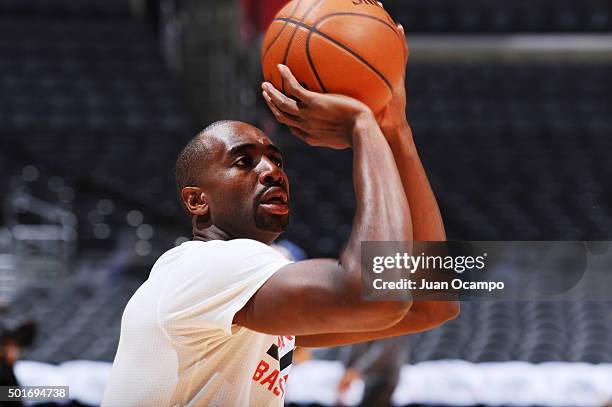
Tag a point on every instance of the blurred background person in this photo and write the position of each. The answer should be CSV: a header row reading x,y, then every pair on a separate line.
x,y
378,364
9,353
13,337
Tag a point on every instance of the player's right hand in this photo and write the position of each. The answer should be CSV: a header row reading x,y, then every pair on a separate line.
x,y
322,120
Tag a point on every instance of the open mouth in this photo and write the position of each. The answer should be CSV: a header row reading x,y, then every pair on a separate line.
x,y
275,201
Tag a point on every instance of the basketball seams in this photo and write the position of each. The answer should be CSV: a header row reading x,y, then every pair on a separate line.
x,y
311,62
297,4
308,11
358,57
319,21
314,30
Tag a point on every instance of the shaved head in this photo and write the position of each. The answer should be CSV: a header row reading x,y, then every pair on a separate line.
x,y
192,161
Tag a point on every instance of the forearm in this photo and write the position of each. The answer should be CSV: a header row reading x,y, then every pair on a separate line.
x,y
382,213
423,316
427,224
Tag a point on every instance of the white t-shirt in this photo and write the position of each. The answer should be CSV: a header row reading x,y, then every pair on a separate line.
x,y
178,346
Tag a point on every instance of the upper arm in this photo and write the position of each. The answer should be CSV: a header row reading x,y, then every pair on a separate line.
x,y
315,296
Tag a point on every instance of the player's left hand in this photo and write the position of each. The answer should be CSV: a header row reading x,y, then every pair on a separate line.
x,y
394,114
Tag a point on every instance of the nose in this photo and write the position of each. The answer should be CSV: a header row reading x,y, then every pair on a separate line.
x,y
270,173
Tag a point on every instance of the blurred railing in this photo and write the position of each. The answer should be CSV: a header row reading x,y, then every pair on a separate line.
x,y
44,238
510,47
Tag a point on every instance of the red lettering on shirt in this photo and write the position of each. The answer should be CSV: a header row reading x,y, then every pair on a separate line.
x,y
261,369
281,382
266,374
270,379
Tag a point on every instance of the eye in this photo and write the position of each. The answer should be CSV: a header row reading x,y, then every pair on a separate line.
x,y
278,161
244,161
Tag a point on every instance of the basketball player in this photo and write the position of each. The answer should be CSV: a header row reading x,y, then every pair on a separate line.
x,y
217,320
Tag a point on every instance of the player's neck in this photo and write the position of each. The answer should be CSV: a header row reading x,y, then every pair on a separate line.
x,y
216,233
211,233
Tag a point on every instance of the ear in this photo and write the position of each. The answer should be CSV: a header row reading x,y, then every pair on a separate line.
x,y
195,201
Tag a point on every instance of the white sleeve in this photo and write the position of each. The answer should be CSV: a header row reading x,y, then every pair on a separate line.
x,y
212,283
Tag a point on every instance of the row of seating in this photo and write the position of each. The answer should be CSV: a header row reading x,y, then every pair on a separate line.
x,y
67,8
500,16
80,319
416,15
530,163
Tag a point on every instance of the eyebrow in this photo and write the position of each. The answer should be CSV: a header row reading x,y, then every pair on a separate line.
x,y
243,148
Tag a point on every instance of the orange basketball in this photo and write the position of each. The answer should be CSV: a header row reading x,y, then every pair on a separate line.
x,y
352,47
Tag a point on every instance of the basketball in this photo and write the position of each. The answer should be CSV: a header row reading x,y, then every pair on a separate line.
x,y
351,47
